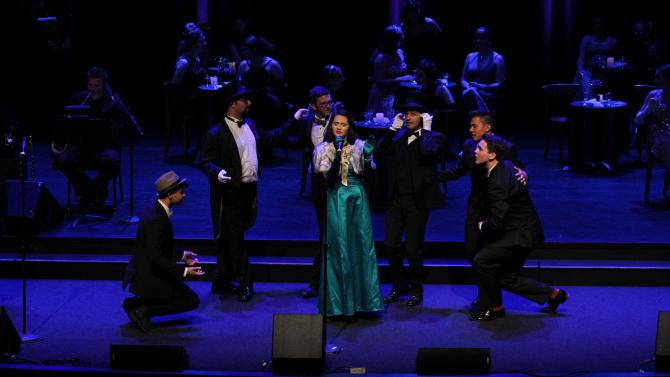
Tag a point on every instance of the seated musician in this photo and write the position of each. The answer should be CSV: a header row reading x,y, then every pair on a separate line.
x,y
73,160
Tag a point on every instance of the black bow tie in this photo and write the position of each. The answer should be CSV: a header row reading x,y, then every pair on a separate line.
x,y
415,133
239,123
319,121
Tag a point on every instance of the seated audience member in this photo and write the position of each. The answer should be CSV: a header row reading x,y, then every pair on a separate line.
x,y
389,70
483,75
422,34
264,76
647,52
593,52
73,159
240,32
257,71
655,113
332,78
188,72
434,93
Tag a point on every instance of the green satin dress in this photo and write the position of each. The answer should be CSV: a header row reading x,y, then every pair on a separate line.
x,y
351,264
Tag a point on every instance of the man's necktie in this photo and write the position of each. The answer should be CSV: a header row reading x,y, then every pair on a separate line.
x,y
239,123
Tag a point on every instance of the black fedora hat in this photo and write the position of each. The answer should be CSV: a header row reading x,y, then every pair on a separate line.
x,y
168,182
233,91
413,104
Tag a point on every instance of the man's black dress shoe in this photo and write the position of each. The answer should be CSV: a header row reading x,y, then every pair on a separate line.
x,y
309,292
394,296
245,293
414,299
140,317
128,305
552,304
487,315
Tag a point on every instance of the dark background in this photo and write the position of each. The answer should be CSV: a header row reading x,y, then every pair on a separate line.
x,y
136,42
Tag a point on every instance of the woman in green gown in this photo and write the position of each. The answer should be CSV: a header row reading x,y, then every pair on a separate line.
x,y
351,264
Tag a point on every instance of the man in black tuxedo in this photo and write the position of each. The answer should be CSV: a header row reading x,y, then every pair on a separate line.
x,y
311,124
511,229
230,159
481,123
152,273
412,154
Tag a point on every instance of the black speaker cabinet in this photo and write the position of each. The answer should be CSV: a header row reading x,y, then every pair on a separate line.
x,y
10,342
39,212
663,342
298,344
453,361
148,357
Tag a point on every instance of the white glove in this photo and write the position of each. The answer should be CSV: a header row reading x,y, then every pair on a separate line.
x,y
398,121
427,121
222,177
300,113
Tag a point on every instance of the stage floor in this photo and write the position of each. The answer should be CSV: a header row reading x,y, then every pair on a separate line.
x,y
574,207
599,329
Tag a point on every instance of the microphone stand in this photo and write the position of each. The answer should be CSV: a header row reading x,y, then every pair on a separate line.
x,y
25,337
330,347
132,219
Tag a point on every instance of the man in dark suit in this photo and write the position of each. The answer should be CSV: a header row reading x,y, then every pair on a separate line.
x,y
230,159
152,273
511,229
73,159
412,154
481,123
311,125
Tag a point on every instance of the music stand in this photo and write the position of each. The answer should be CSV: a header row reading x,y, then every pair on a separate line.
x,y
79,129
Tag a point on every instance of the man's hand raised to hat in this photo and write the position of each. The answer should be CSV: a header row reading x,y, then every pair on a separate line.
x,y
398,121
222,177
427,121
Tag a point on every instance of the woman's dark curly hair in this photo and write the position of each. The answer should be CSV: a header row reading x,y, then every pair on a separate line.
x,y
328,132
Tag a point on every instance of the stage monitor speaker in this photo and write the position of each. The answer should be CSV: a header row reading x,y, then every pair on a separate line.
x,y
453,361
298,344
10,342
148,357
663,342
40,211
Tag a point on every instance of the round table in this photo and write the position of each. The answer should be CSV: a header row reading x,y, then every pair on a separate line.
x,y
598,133
415,85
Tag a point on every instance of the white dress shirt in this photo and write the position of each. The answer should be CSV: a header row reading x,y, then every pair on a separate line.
x,y
246,146
317,133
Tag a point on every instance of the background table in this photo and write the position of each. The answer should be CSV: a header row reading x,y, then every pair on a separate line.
x,y
598,132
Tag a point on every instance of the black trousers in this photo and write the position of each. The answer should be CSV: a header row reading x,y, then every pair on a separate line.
x,y
473,241
183,299
74,161
500,268
318,188
403,216
232,257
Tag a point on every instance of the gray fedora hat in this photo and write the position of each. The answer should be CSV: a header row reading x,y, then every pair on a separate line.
x,y
168,182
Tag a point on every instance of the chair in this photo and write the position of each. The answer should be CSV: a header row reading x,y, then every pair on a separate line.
x,y
179,112
651,162
640,92
557,98
91,166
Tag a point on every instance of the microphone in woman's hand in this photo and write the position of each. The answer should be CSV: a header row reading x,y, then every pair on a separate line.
x,y
338,142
